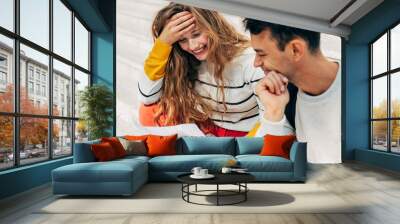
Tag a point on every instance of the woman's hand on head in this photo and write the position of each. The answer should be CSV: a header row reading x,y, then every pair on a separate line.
x,y
177,26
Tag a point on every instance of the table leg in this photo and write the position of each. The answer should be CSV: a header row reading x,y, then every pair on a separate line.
x,y
188,190
245,191
182,188
217,194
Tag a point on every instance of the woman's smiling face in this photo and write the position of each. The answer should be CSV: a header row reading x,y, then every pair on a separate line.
x,y
195,43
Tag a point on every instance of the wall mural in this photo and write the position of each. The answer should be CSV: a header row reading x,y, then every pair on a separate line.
x,y
199,72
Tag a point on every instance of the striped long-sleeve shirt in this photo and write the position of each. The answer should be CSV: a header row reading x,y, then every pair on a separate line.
x,y
240,78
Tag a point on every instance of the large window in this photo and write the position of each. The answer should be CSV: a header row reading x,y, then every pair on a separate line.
x,y
44,64
385,91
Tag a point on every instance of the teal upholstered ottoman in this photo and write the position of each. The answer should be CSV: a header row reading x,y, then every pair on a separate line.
x,y
119,177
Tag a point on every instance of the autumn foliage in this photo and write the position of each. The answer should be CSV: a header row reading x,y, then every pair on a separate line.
x,y
33,131
380,127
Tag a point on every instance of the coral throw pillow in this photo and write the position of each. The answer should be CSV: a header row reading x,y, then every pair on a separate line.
x,y
103,151
136,137
161,145
116,145
277,145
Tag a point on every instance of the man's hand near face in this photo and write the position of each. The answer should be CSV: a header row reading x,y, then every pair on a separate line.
x,y
274,95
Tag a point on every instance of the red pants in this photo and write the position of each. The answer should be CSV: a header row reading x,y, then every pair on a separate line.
x,y
222,132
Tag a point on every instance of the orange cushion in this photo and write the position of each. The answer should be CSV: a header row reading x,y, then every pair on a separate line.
x,y
161,145
277,145
136,137
116,145
103,151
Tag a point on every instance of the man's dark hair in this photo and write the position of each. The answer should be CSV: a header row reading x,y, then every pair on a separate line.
x,y
283,34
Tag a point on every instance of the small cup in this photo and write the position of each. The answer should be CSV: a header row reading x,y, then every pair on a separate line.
x,y
203,172
196,170
226,170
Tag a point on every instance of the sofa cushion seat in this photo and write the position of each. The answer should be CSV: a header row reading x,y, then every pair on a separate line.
x,y
111,171
184,163
132,159
257,163
118,177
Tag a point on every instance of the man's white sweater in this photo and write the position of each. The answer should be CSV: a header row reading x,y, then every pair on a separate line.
x,y
318,122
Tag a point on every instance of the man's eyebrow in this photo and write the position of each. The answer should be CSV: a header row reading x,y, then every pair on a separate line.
x,y
258,50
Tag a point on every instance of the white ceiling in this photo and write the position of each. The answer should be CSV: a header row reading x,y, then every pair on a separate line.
x,y
317,15
321,9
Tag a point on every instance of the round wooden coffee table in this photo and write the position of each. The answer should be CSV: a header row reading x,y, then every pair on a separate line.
x,y
238,179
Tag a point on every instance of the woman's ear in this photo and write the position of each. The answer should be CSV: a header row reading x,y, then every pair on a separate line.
x,y
296,49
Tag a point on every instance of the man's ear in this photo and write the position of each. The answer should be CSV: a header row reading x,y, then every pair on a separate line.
x,y
296,49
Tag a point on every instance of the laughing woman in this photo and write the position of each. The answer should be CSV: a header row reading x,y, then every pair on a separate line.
x,y
199,71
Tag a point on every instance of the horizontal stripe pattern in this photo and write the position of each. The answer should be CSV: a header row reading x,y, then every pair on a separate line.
x,y
230,103
150,94
233,112
234,122
226,86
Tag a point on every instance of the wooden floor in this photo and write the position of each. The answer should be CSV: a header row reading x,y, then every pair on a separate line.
x,y
377,188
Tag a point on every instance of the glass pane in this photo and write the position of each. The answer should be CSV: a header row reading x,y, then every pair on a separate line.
x,y
33,139
62,29
6,142
81,131
35,21
379,55
6,74
62,138
395,47
81,45
81,81
7,14
379,135
395,94
395,136
379,97
34,81
62,89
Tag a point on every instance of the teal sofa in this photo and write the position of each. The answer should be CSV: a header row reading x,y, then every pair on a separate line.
x,y
125,176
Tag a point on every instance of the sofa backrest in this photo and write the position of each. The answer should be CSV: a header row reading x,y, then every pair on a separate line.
x,y
206,145
191,146
249,145
83,152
